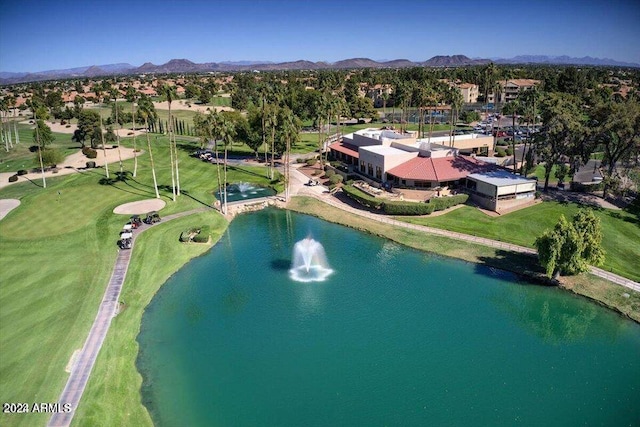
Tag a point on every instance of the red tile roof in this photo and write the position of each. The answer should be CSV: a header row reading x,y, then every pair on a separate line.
x,y
348,149
439,170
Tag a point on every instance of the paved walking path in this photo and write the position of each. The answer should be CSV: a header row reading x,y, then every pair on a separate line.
x,y
81,370
298,179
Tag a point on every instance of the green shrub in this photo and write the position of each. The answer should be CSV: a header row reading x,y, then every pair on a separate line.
x,y
329,173
509,151
13,178
500,152
89,152
442,203
203,236
407,208
21,172
362,198
311,162
91,165
335,179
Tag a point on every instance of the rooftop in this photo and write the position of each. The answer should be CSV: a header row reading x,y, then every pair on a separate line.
x,y
500,177
383,149
442,169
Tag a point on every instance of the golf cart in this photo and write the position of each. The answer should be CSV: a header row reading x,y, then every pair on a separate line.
x,y
126,239
152,218
135,221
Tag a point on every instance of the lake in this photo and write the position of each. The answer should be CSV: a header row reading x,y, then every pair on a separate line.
x,y
393,336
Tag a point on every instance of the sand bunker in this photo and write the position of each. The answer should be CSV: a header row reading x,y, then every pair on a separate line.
x,y
141,207
7,205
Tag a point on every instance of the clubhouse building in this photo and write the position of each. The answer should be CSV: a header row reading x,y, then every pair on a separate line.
x,y
401,160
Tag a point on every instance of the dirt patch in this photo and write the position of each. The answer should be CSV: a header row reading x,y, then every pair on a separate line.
x,y
140,207
7,205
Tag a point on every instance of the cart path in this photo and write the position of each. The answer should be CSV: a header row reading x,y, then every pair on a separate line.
x,y
81,370
298,179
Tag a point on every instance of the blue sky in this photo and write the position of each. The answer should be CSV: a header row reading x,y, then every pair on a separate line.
x,y
43,35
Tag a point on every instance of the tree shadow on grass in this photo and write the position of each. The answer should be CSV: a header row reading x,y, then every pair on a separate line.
x,y
123,178
506,263
183,192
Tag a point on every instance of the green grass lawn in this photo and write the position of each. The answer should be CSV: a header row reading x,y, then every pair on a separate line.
x,y
621,230
20,157
58,252
112,397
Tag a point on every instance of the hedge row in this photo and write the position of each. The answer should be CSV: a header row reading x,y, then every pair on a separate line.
x,y
408,208
405,208
362,197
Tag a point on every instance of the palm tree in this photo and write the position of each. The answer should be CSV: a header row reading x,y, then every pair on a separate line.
x,y
290,126
513,107
271,121
132,96
114,94
226,132
104,150
146,110
44,181
530,98
169,93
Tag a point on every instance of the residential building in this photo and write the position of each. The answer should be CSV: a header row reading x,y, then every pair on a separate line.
x,y
469,92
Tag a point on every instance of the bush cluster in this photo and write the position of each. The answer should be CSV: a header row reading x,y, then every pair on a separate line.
x,y
329,173
22,172
13,178
203,236
91,165
89,152
404,208
335,179
312,162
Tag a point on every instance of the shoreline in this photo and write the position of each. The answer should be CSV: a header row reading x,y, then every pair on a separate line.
x,y
136,311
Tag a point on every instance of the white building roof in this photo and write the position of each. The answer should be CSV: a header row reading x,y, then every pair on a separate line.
x,y
500,178
383,150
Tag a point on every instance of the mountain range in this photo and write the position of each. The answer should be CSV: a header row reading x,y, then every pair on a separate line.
x,y
186,66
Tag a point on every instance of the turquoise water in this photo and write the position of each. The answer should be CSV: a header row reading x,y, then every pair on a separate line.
x,y
244,191
392,337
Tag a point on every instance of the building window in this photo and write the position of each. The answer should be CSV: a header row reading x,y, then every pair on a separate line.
x,y
362,168
370,169
378,172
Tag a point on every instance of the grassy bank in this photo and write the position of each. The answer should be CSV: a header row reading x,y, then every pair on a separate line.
x,y
620,230
595,288
112,396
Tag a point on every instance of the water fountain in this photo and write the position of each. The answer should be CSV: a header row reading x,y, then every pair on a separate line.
x,y
244,190
309,262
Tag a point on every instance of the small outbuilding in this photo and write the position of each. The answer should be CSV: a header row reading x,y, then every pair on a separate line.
x,y
500,190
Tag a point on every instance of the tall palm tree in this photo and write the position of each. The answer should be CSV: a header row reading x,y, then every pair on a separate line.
x,y
513,107
44,181
226,132
114,94
169,93
104,149
455,101
132,96
146,110
271,122
290,126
